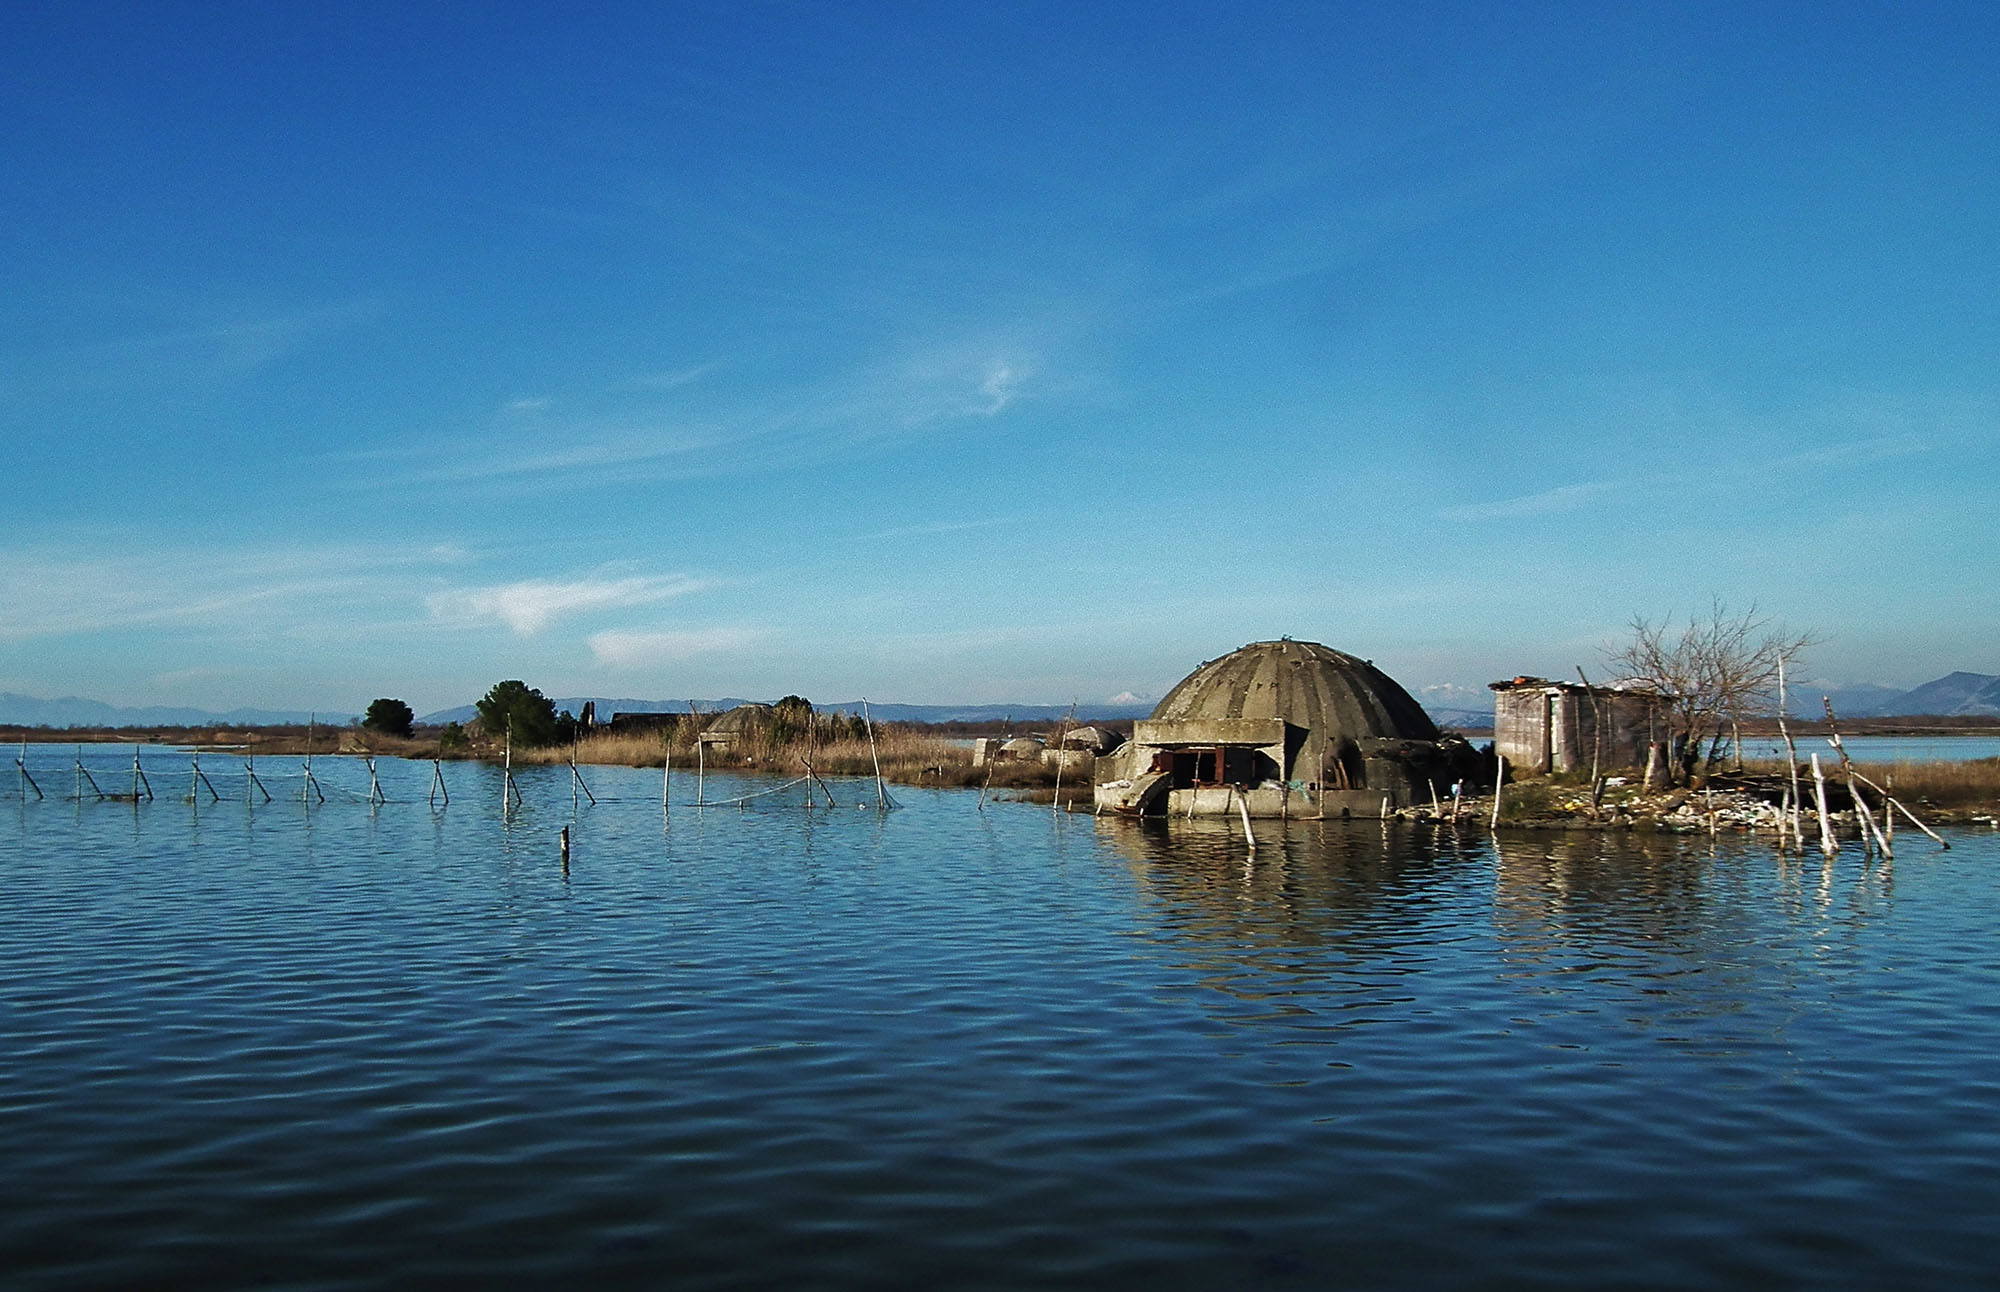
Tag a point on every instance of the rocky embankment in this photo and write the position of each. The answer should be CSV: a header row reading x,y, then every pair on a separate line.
x,y
1741,808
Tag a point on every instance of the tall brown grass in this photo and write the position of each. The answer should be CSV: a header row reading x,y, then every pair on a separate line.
x,y
908,756
1969,786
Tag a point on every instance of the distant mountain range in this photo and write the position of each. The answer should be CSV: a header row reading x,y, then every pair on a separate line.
x,y
27,711
1954,695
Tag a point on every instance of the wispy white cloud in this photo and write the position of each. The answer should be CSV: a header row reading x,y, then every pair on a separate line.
x,y
220,347
531,605
816,419
458,464
1877,448
1548,502
630,648
669,380
55,592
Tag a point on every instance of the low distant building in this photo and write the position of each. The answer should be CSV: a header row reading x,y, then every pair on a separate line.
x,y
624,723
1545,726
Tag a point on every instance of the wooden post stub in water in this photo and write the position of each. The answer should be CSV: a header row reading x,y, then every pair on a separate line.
x,y
565,849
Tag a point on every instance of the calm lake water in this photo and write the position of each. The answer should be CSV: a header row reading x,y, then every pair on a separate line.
x,y
345,1045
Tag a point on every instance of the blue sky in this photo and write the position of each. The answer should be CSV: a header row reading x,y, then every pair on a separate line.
x,y
959,352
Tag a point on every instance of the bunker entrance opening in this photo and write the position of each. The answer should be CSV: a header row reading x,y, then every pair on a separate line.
x,y
1218,765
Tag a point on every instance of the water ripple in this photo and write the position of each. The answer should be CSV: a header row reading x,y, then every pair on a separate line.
x,y
326,1047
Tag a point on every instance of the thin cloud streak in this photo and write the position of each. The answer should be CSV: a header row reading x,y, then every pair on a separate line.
x,y
531,605
57,593
1548,502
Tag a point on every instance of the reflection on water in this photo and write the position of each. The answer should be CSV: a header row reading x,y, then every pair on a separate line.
x,y
305,1044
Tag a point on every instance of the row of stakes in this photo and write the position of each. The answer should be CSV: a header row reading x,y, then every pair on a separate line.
x,y
310,790
142,784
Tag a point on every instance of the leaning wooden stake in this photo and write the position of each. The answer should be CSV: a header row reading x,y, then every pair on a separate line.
x,y
83,774
700,758
1499,779
250,779
375,794
27,781
1791,759
881,791
1597,741
510,791
200,777
1243,806
1908,815
1007,730
311,786
1061,735
1828,844
437,783
1868,826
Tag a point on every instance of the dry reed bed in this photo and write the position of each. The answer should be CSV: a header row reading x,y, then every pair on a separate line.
x,y
910,757
1973,785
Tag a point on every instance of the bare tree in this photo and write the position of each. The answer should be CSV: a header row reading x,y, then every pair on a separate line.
x,y
1716,669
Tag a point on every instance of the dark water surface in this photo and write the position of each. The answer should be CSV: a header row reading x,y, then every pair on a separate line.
x,y
752,1047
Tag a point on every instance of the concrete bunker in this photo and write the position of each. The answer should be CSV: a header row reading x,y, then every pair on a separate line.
x,y
1286,728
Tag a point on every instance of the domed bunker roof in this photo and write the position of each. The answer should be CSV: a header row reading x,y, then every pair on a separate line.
x,y
742,720
1336,697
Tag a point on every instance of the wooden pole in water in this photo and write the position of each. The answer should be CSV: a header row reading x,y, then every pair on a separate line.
x,y
1596,740
437,783
1897,804
1243,806
992,756
375,794
1791,760
21,761
667,780
311,785
700,758
84,772
200,778
510,793
1827,843
881,793
565,849
1868,827
1499,779
1061,735
250,778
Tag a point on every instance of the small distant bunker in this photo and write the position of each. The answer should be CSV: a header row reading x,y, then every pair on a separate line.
x,y
1544,726
1021,749
1287,728
738,725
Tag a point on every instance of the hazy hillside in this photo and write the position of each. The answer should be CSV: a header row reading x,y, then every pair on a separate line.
x,y
70,711
1954,694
